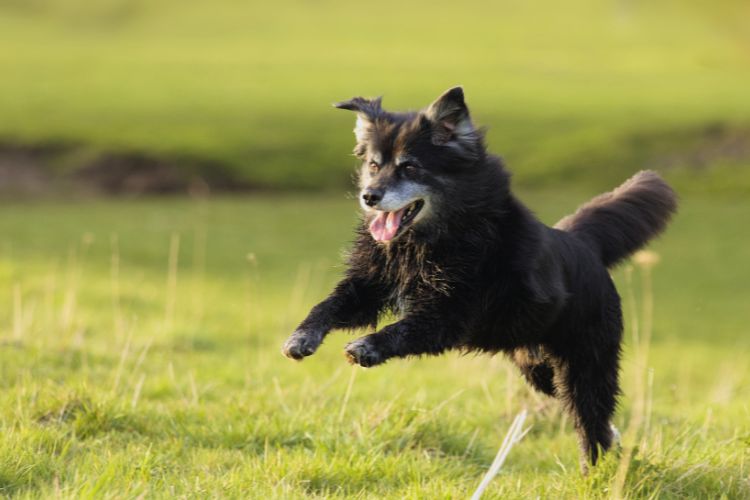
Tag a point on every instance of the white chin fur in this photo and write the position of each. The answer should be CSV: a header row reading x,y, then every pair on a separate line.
x,y
423,212
403,195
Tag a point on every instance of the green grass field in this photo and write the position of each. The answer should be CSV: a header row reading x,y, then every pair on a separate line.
x,y
140,356
584,91
140,338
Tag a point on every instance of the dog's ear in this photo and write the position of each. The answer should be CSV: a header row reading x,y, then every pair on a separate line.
x,y
367,111
449,117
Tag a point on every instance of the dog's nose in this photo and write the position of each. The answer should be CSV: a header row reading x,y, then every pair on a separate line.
x,y
372,196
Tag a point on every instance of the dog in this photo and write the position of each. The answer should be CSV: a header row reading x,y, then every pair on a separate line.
x,y
446,246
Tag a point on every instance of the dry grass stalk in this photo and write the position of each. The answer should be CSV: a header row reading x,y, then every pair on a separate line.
x,y
514,435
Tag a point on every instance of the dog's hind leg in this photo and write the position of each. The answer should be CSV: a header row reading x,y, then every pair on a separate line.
x,y
540,377
587,384
538,372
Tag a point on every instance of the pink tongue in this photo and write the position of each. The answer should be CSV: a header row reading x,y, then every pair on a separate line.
x,y
385,225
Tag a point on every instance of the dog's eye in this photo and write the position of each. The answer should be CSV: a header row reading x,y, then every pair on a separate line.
x,y
374,167
408,167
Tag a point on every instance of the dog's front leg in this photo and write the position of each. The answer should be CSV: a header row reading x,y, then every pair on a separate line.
x,y
355,302
412,336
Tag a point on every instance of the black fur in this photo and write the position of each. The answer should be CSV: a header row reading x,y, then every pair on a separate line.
x,y
481,273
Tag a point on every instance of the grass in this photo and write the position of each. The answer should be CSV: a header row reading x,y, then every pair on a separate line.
x,y
140,356
139,339
586,90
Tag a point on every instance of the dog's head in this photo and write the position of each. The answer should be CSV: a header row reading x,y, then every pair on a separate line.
x,y
412,162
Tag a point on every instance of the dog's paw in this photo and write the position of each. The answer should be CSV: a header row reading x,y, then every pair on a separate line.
x,y
301,344
361,352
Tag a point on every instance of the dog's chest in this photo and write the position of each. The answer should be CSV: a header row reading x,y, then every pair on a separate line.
x,y
412,277
400,302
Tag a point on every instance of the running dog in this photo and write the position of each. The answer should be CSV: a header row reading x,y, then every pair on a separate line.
x,y
447,247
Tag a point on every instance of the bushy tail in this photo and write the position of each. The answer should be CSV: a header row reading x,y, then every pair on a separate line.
x,y
620,222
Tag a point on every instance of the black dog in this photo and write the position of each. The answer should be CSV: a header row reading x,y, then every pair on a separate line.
x,y
446,245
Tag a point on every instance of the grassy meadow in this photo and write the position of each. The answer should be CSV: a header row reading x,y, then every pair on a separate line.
x,y
140,337
140,356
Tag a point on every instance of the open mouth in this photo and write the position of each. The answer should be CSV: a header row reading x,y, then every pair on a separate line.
x,y
387,225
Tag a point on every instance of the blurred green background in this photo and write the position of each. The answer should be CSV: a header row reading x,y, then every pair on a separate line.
x,y
585,90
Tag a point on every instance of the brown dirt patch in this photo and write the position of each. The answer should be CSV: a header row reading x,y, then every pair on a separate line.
x,y
37,170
